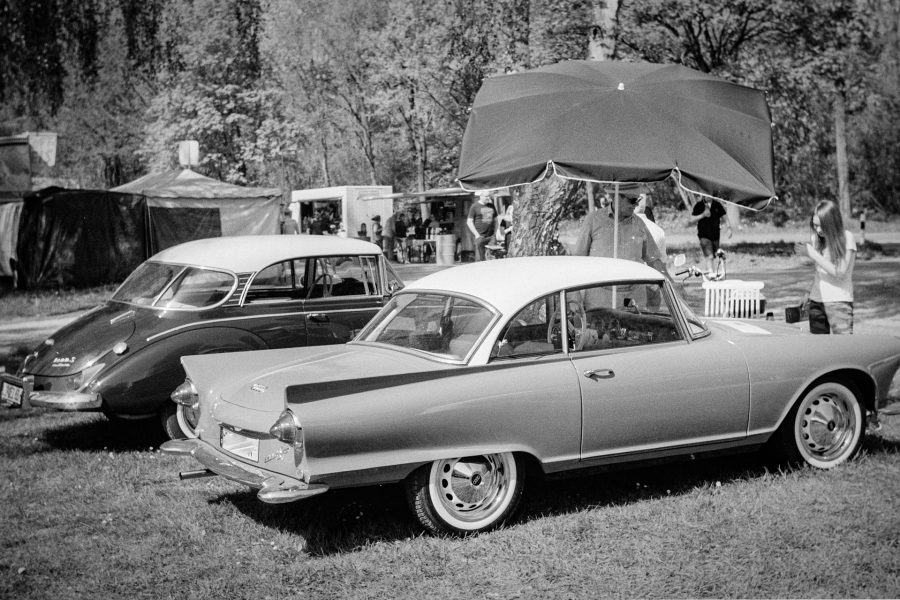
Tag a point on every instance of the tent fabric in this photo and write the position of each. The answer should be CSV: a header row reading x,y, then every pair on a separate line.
x,y
189,184
9,235
79,238
185,205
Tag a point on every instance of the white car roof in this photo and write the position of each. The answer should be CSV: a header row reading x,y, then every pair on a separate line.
x,y
250,253
508,283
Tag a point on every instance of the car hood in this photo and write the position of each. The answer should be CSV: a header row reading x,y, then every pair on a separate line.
x,y
259,379
755,327
80,343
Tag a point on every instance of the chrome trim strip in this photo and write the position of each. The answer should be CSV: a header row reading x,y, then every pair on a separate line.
x,y
245,317
664,446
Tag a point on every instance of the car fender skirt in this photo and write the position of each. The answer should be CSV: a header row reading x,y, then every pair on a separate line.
x,y
273,488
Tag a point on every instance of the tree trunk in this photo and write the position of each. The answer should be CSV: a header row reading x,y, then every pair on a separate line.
x,y
537,209
840,144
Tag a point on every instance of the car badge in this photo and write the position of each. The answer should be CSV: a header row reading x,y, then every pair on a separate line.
x,y
277,455
62,361
258,387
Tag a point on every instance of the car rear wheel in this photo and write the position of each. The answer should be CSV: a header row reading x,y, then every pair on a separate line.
x,y
825,427
466,495
179,422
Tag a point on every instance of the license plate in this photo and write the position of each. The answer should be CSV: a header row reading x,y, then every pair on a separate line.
x,y
240,445
11,394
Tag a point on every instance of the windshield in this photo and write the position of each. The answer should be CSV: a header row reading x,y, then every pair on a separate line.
x,y
172,286
439,324
695,324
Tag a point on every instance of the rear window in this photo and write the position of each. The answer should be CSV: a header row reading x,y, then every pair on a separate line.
x,y
175,287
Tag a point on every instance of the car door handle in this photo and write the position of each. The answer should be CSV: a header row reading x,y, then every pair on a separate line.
x,y
318,318
596,374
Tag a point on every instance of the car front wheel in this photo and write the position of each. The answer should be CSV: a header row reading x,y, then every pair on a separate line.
x,y
466,495
825,428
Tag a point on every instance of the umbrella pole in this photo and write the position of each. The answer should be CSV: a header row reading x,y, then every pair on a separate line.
x,y
615,234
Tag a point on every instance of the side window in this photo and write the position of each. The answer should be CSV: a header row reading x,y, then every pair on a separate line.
x,y
617,316
343,276
280,282
532,331
197,288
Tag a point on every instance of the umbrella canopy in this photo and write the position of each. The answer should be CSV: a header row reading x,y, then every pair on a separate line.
x,y
610,121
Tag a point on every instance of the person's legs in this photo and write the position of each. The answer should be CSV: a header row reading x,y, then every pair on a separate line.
x,y
388,247
818,319
480,243
840,317
706,245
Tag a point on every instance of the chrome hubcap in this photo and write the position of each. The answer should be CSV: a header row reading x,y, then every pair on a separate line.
x,y
471,488
825,425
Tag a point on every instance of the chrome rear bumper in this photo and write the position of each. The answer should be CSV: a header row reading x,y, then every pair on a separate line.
x,y
60,400
273,487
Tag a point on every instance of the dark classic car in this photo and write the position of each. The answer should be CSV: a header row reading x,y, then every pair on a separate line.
x,y
472,379
203,297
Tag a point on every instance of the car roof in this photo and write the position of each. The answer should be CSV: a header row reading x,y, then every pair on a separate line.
x,y
250,253
508,283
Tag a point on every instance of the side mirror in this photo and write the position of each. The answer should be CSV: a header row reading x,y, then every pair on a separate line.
x,y
679,260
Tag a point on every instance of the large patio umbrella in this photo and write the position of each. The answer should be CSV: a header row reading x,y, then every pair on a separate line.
x,y
611,122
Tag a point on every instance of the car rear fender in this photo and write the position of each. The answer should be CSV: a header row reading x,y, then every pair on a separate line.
x,y
140,384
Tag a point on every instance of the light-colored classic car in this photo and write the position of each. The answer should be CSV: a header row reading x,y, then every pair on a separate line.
x,y
469,381
202,297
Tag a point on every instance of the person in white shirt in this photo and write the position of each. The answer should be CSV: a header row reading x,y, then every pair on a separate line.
x,y
833,250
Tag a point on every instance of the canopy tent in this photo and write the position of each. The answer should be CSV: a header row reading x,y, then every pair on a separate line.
x,y
79,238
82,238
183,205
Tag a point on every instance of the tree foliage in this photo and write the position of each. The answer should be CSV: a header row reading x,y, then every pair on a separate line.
x,y
303,93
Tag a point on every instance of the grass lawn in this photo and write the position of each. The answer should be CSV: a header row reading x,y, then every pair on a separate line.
x,y
95,511
92,509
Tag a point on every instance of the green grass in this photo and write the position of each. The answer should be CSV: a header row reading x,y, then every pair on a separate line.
x,y
92,511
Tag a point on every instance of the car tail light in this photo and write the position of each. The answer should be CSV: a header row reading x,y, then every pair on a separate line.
x,y
287,429
78,380
186,394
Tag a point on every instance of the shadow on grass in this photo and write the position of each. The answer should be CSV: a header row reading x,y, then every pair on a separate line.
x,y
342,521
95,432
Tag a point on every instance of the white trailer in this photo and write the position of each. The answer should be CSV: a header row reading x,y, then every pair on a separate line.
x,y
353,205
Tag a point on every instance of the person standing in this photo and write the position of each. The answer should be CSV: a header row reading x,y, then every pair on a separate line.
x,y
400,236
377,230
708,215
634,239
833,251
289,225
388,237
483,222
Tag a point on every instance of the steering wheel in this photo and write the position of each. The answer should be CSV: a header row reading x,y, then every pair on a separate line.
x,y
576,326
327,281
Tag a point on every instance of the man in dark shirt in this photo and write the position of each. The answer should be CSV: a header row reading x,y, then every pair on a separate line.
x,y
707,214
483,222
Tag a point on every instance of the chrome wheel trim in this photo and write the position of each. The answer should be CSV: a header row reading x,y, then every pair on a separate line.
x,y
828,425
473,492
188,420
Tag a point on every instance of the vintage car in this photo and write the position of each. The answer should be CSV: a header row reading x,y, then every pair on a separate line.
x,y
470,380
202,297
